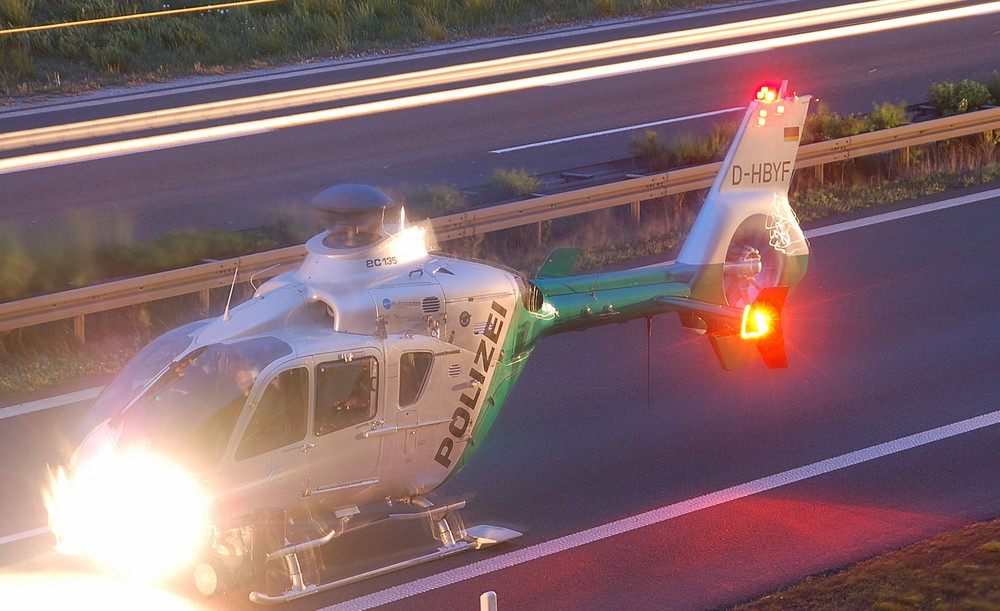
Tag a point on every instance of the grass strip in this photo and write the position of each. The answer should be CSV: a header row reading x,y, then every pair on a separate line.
x,y
955,570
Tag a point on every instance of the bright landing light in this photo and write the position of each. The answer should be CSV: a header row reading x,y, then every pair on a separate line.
x,y
134,512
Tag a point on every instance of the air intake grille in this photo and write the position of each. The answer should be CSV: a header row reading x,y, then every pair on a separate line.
x,y
431,305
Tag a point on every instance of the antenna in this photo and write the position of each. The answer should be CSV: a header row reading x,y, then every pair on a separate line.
x,y
597,279
225,315
255,274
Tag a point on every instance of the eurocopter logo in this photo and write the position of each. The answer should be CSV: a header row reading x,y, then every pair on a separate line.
x,y
483,360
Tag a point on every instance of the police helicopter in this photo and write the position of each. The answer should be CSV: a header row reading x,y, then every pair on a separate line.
x,y
345,391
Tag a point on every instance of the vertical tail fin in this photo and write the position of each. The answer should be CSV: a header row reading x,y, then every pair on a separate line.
x,y
754,179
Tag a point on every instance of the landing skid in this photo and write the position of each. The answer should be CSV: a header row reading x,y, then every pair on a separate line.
x,y
448,530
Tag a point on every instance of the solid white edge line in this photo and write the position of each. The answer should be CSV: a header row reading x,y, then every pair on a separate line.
x,y
668,512
615,130
23,535
49,403
902,213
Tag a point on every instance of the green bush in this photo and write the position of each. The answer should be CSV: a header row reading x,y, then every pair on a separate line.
x,y
993,86
953,99
16,13
887,116
508,184
16,63
435,201
688,150
650,152
16,267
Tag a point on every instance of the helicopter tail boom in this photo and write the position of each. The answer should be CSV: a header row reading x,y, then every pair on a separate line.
x,y
743,253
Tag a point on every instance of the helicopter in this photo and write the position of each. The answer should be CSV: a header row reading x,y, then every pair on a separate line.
x,y
345,391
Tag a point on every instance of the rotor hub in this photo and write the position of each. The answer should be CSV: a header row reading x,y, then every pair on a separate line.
x,y
354,215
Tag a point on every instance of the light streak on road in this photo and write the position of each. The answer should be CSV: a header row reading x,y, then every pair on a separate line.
x,y
194,136
227,109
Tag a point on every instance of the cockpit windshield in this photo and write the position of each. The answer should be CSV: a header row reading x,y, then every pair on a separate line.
x,y
190,410
143,367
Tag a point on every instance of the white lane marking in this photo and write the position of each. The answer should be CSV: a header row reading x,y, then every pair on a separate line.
x,y
44,404
23,535
903,213
616,130
669,512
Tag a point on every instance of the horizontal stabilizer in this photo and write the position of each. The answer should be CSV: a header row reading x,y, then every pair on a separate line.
x,y
738,337
560,263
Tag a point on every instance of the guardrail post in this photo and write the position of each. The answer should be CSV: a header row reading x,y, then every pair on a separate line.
x,y
79,329
818,170
636,211
205,300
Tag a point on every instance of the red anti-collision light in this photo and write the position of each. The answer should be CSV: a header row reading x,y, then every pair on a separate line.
x,y
767,94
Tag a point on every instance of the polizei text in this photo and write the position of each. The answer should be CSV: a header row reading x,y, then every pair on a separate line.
x,y
481,364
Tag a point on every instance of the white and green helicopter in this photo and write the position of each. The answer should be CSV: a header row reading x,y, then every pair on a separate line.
x,y
343,392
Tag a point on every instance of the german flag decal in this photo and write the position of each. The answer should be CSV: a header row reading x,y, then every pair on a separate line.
x,y
792,134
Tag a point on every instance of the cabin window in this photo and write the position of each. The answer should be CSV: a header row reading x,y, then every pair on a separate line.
x,y
414,368
345,394
280,416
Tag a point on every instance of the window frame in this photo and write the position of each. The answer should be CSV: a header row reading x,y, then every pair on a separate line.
x,y
331,418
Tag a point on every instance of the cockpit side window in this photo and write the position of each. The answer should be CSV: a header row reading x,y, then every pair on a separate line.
x,y
280,417
346,394
414,368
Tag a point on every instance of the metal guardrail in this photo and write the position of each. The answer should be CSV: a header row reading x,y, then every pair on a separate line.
x,y
692,178
77,303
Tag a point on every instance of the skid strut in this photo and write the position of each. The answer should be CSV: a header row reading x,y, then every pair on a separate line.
x,y
446,527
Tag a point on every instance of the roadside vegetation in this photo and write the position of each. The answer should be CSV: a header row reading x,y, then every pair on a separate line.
x,y
222,40
956,570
